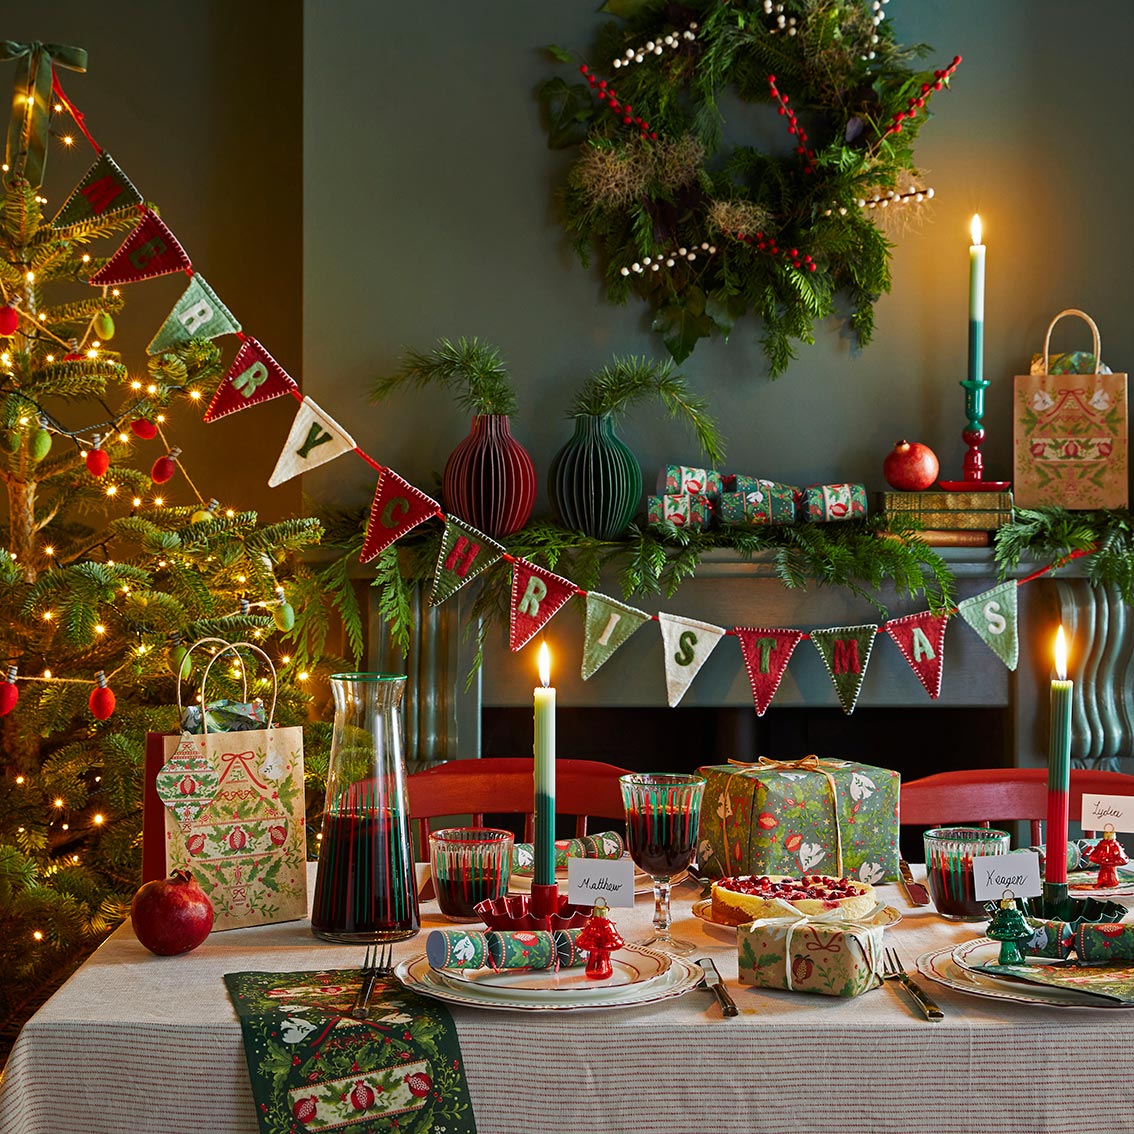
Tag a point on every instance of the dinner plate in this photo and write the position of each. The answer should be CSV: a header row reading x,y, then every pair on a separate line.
x,y
884,915
643,883
1082,885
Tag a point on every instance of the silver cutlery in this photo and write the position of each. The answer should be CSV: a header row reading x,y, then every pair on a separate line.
x,y
716,986
893,970
373,967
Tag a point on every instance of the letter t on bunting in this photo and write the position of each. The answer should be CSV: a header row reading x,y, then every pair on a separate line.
x,y
398,508
315,439
921,638
687,645
766,654
537,595
845,651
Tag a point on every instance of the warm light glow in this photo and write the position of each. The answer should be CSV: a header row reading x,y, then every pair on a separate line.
x,y
975,228
67,140
151,389
47,674
112,490
23,421
135,385
58,803
195,394
1061,654
99,820
30,277
544,665
158,502
48,615
137,501
304,675
49,550
286,659
242,578
230,512
38,935
123,437
100,629
20,780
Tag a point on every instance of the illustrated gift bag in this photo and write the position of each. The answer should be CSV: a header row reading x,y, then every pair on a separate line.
x,y
230,809
1070,430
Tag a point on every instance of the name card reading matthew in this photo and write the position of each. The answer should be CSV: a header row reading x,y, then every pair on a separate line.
x,y
995,874
589,879
1099,810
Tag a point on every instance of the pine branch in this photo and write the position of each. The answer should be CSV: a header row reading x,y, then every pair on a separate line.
x,y
472,370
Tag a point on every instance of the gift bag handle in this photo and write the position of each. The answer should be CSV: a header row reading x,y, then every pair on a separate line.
x,y
182,669
1094,333
235,647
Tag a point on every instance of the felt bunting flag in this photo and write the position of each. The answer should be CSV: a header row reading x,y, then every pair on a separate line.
x,y
537,596
609,623
254,377
845,651
687,645
766,654
198,314
993,616
921,638
149,251
103,189
398,508
464,554
315,439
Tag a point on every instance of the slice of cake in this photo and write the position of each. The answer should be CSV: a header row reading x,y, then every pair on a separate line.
x,y
750,896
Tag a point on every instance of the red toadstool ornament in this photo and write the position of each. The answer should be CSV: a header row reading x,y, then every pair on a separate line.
x,y
165,467
600,938
98,459
102,700
9,692
1107,854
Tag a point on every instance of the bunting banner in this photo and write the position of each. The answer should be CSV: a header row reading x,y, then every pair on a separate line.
x,y
993,616
537,596
103,189
198,314
609,624
315,439
921,638
766,654
687,645
464,554
845,651
398,508
254,377
149,251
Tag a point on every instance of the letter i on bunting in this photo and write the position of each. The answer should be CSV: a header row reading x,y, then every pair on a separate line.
x,y
993,616
537,595
845,651
398,508
921,638
609,624
766,654
464,554
687,645
315,439
254,377
151,250
104,189
198,314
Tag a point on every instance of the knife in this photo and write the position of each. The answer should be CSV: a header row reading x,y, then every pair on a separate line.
x,y
716,986
915,891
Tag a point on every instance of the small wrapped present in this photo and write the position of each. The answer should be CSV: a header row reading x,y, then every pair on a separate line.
x,y
824,953
522,949
606,844
825,503
678,480
692,512
793,817
765,503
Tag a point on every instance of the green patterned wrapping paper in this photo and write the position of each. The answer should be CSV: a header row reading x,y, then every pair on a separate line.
x,y
693,512
1094,943
825,503
521,949
739,482
606,844
678,480
781,818
769,504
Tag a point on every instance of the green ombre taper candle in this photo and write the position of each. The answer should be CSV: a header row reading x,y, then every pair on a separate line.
x,y
1058,768
544,751
976,303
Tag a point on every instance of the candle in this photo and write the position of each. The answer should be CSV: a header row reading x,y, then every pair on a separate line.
x,y
1059,767
544,751
976,303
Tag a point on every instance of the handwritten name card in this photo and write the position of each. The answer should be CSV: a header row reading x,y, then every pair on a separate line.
x,y
994,874
589,879
1099,810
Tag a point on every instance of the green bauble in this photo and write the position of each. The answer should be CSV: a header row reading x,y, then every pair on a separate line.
x,y
179,663
12,439
284,616
104,326
40,444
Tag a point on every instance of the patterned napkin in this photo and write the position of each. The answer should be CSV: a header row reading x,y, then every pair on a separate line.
x,y
314,1068
607,844
1113,983
522,949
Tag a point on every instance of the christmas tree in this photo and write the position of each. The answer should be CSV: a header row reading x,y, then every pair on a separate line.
x,y
111,564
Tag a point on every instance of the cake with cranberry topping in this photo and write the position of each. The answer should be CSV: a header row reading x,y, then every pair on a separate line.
x,y
747,897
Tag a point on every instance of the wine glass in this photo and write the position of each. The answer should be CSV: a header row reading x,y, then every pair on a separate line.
x,y
663,811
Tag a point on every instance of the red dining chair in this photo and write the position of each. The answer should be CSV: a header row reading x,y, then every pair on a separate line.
x,y
583,788
1001,794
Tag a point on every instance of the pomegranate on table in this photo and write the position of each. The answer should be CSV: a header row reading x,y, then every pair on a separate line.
x,y
910,466
171,915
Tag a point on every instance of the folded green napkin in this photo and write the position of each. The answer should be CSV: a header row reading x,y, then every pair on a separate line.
x,y
607,844
521,949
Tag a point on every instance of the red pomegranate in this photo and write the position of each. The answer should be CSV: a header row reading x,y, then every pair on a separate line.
x,y
801,968
419,1084
910,467
171,915
237,838
278,835
195,844
304,1109
362,1096
187,786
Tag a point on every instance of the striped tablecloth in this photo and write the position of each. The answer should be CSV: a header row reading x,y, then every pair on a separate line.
x,y
152,1045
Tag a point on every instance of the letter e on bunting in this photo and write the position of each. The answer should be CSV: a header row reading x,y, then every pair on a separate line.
x,y
609,623
687,645
198,314
993,616
315,439
464,554
766,654
151,250
398,508
104,189
845,651
537,596
921,638
254,377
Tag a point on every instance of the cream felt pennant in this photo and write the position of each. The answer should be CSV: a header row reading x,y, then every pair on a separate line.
x,y
687,645
315,439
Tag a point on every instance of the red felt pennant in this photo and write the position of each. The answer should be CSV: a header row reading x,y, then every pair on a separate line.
x,y
254,377
398,508
921,638
537,595
766,654
150,250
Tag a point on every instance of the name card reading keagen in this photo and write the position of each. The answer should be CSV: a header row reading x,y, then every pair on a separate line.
x,y
1099,810
1014,875
589,879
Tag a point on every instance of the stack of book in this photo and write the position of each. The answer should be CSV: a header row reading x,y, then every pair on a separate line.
x,y
950,519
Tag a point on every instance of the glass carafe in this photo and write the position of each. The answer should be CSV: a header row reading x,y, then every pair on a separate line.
x,y
365,888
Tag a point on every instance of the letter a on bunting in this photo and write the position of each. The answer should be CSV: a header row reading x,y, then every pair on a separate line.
x,y
398,508
993,616
315,439
609,624
464,553
198,314
687,645
766,654
151,250
104,189
921,638
537,595
845,651
254,377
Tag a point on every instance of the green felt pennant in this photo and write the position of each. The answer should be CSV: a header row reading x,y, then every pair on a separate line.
x,y
845,651
609,624
103,189
993,616
198,314
464,554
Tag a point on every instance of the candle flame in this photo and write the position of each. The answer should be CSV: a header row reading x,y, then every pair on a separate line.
x,y
544,665
975,228
1061,655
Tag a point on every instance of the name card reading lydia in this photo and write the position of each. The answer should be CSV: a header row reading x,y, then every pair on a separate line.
x,y
1099,810
993,874
589,879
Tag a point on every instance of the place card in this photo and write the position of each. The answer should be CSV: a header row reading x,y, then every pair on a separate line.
x,y
1018,871
1099,810
589,879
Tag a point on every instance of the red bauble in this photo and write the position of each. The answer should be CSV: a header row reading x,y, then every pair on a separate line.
x,y
9,321
171,915
98,461
164,468
143,428
102,702
910,467
9,695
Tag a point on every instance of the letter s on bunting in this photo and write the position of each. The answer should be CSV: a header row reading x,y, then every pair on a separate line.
x,y
687,645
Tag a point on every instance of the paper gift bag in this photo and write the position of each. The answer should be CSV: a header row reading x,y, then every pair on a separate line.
x,y
1070,430
233,814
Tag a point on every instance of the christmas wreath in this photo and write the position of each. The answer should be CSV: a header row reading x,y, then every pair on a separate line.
x,y
706,231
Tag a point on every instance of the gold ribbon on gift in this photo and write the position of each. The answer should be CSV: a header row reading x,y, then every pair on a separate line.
x,y
805,764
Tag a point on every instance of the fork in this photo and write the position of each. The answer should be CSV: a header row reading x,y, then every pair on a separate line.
x,y
373,967
893,970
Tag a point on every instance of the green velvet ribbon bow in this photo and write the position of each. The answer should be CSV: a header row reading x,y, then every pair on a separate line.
x,y
31,102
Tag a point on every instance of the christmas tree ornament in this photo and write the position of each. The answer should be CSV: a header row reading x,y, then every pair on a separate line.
x,y
98,459
143,428
9,692
104,325
209,512
9,320
164,467
599,937
13,439
1009,928
284,613
1107,854
180,665
102,700
40,444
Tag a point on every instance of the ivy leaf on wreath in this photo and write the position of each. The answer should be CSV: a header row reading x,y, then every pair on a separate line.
x,y
569,112
681,325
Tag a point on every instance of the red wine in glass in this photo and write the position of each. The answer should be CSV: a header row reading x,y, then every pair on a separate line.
x,y
660,842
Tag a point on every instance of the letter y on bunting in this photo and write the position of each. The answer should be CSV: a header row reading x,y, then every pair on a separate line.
x,y
315,439
151,250
398,508
993,616
537,595
254,377
921,638
845,651
464,554
766,654
609,624
687,645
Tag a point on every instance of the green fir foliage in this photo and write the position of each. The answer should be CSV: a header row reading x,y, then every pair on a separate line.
x,y
473,371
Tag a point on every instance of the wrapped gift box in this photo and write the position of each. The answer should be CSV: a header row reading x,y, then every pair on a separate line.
x,y
824,503
794,817
763,502
683,511
679,480
951,511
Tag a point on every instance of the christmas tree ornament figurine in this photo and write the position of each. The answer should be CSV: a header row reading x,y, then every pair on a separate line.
x,y
102,700
9,692
284,613
9,320
1009,928
98,459
599,937
165,467
1106,855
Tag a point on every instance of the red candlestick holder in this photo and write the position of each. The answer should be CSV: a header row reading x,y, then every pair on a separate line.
x,y
518,911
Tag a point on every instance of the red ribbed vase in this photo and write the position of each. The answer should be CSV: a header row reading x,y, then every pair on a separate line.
x,y
489,479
